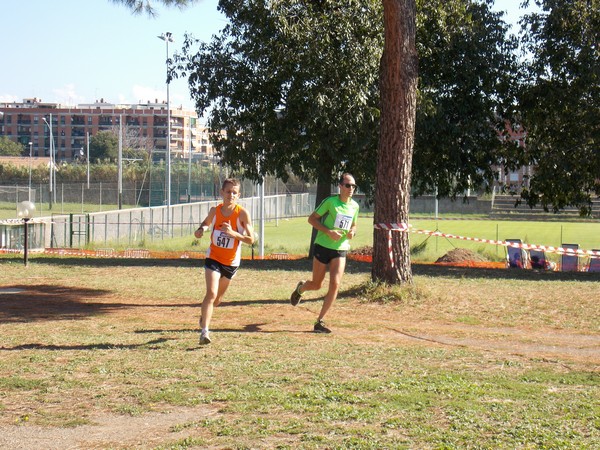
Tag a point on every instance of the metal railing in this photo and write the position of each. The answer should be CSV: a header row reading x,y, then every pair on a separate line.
x,y
138,225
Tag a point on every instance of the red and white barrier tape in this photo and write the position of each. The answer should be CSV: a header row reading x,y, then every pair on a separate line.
x,y
390,249
559,250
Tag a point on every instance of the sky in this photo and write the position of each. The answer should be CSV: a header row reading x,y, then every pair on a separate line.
x,y
74,51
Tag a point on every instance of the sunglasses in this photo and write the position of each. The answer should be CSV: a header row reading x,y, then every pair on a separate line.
x,y
348,186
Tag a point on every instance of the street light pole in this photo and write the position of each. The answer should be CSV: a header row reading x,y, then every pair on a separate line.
x,y
29,191
168,37
25,211
87,159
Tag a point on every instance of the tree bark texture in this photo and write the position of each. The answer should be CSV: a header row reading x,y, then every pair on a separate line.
x,y
398,85
323,191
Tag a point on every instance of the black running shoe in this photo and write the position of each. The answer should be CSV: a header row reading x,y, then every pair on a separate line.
x,y
296,295
320,327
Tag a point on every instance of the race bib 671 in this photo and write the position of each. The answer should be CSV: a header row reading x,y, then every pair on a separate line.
x,y
343,221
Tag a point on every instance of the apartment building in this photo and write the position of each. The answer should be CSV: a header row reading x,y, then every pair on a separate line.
x,y
32,123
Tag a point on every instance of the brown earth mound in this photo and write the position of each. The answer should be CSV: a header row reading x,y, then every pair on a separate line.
x,y
366,250
461,255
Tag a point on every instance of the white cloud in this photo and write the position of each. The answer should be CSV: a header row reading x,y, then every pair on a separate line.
x,y
7,98
146,94
67,95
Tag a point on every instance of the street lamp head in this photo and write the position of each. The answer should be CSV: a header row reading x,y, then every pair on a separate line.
x,y
25,210
167,37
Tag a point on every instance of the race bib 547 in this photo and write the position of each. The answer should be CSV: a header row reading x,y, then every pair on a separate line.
x,y
222,240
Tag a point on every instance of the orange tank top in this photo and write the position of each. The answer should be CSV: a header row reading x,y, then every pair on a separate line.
x,y
224,248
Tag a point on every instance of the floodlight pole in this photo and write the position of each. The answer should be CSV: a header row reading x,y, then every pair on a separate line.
x,y
52,175
189,193
168,37
29,190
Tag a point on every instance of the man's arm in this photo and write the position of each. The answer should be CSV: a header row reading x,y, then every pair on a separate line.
x,y
205,224
352,232
315,220
248,236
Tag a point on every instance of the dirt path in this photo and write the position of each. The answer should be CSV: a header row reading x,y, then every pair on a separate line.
x,y
108,431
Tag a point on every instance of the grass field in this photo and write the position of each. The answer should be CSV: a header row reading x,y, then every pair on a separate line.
x,y
101,353
292,236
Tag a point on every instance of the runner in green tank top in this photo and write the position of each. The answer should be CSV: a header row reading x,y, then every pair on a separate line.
x,y
335,221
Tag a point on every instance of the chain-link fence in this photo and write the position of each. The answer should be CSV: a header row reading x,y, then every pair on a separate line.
x,y
103,196
136,226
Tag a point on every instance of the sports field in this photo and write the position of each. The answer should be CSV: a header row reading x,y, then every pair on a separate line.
x,y
102,353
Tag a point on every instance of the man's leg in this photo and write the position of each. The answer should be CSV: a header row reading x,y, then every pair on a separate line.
x,y
216,285
336,271
318,275
223,285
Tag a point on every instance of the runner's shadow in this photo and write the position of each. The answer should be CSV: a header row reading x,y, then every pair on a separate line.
x,y
153,344
249,328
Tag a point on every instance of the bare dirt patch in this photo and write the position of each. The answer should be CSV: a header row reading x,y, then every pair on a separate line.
x,y
107,431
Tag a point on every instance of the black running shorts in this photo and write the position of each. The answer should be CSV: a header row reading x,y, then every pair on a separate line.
x,y
216,266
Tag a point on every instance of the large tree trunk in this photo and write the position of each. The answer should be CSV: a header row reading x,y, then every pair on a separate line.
x,y
323,191
398,84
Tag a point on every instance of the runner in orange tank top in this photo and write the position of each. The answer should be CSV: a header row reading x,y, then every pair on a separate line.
x,y
231,226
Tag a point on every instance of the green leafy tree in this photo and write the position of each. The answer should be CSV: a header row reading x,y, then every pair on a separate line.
x,y
147,7
104,145
560,103
467,84
10,148
293,86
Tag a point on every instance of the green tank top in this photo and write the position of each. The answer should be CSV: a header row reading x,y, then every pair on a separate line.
x,y
336,215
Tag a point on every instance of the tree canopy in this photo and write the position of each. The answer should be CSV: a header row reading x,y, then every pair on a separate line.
x,y
293,86
467,77
319,63
10,148
560,103
104,145
147,7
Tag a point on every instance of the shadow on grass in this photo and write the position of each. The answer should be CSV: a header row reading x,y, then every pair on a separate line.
x,y
305,265
433,270
146,345
248,328
20,303
32,303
